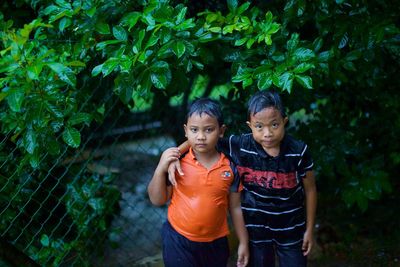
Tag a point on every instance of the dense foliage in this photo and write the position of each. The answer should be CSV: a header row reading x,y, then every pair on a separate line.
x,y
335,62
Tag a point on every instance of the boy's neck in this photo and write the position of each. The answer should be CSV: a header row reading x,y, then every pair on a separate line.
x,y
273,152
207,159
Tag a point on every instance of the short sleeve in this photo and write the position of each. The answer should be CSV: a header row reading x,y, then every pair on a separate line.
x,y
230,147
236,185
306,162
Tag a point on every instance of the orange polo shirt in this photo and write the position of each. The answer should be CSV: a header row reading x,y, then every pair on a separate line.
x,y
199,205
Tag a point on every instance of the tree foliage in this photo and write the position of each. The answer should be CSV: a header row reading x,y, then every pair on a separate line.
x,y
60,60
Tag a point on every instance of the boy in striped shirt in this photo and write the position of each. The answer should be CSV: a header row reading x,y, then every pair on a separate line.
x,y
279,198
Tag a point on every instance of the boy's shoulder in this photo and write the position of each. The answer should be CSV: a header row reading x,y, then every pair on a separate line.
x,y
245,138
293,145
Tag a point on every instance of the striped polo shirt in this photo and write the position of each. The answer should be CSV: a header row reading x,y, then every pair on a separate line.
x,y
273,195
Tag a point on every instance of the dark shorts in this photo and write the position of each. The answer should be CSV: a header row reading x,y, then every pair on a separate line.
x,y
178,251
288,256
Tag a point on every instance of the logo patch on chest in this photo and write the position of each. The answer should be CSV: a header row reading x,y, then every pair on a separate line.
x,y
226,175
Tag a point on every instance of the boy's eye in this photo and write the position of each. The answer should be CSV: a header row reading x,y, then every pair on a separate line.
x,y
209,130
258,126
193,130
275,125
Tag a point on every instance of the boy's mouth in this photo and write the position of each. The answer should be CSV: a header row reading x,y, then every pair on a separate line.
x,y
268,142
202,144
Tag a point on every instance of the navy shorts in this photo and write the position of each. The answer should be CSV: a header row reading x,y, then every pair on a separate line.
x,y
178,251
263,255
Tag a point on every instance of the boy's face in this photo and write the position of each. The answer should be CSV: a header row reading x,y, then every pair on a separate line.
x,y
203,132
268,128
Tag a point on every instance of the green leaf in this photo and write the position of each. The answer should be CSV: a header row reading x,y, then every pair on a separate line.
x,y
250,42
159,80
34,71
240,41
54,109
324,56
268,16
215,29
30,141
265,81
64,73
243,8
119,33
179,48
267,39
131,19
90,12
304,81
138,44
64,23
303,54
44,240
152,41
97,204
181,15
286,81
187,24
232,5
274,28
145,82
228,29
109,66
349,66
34,159
293,42
343,41
303,67
80,117
50,9
353,55
317,44
96,70
76,63
247,82
15,98
102,28
102,45
72,137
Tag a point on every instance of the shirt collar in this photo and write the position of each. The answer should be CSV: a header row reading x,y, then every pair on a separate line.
x,y
220,160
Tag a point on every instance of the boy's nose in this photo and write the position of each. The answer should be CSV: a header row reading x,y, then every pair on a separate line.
x,y
267,133
201,136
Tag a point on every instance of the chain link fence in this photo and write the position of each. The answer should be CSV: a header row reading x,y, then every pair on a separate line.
x,y
90,206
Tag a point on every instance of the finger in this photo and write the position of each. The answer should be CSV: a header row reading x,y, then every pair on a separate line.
x,y
305,248
245,261
171,177
178,168
241,261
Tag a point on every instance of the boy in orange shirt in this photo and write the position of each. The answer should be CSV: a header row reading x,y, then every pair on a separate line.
x,y
279,196
195,233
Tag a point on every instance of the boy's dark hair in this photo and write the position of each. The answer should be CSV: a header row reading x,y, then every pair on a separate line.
x,y
207,106
265,99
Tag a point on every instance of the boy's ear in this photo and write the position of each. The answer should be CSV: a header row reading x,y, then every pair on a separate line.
x,y
285,120
184,128
248,124
222,130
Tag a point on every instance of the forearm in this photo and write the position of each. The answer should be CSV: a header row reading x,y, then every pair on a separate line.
x,y
184,147
311,200
311,208
239,225
157,188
